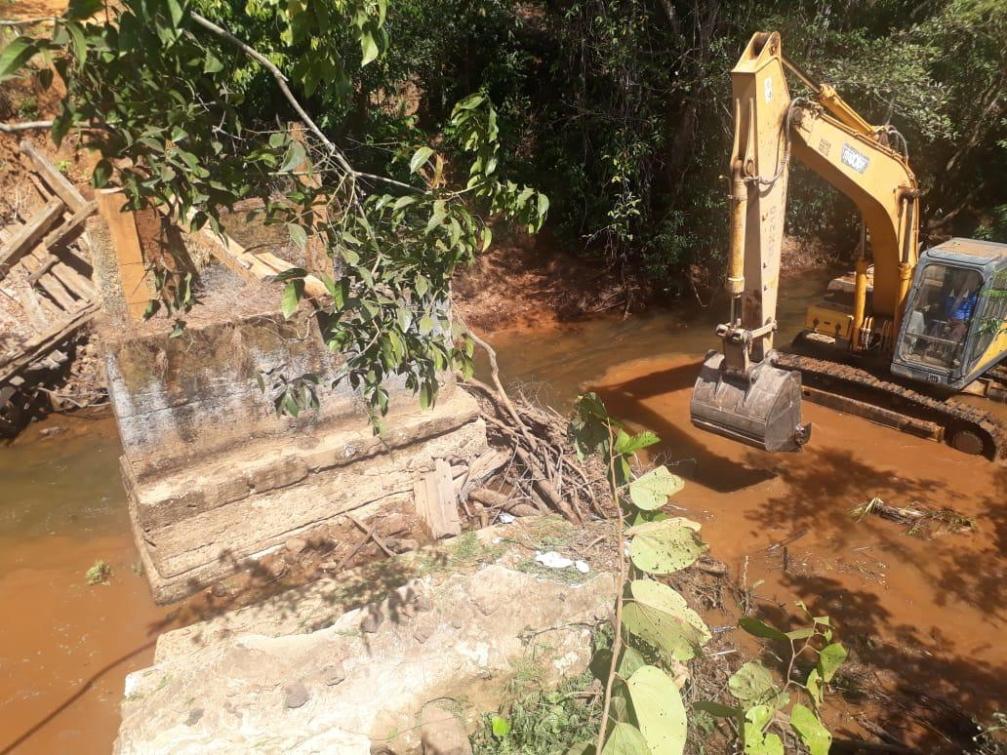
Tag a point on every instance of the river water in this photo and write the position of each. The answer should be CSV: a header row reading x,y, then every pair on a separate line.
x,y
929,614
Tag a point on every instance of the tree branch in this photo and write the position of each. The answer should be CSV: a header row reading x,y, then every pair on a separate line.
x,y
10,128
281,82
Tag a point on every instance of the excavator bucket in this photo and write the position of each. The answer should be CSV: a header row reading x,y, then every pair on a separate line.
x,y
762,409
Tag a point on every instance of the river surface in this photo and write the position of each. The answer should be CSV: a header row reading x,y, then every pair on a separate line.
x,y
929,614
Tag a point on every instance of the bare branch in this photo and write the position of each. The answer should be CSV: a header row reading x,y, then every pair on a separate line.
x,y
10,128
28,21
281,82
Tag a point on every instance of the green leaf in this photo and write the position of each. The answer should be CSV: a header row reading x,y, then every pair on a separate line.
x,y
660,616
659,710
81,10
758,628
298,235
368,48
759,743
830,659
631,661
419,159
629,444
78,40
665,547
501,726
471,102
18,52
212,64
175,12
653,489
292,294
101,174
437,216
814,685
625,739
581,748
294,158
716,709
752,683
426,325
811,731
543,205
800,634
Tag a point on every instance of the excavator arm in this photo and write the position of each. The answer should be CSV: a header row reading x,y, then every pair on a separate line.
x,y
739,393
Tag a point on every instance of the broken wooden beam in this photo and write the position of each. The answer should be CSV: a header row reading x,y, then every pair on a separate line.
x,y
437,501
25,239
73,224
255,266
60,184
41,346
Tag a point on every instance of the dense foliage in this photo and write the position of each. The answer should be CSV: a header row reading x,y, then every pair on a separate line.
x,y
619,110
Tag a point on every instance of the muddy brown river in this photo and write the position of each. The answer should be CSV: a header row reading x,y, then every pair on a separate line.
x,y
924,615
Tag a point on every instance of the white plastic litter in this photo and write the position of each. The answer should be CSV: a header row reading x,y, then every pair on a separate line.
x,y
582,566
506,518
553,560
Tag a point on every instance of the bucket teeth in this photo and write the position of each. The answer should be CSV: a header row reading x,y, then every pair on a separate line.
x,y
762,408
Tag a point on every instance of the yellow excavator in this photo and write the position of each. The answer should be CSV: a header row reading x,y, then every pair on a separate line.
x,y
894,340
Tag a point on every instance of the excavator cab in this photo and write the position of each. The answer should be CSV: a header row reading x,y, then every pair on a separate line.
x,y
953,329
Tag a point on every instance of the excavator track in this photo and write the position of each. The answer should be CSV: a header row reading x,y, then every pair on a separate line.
x,y
965,427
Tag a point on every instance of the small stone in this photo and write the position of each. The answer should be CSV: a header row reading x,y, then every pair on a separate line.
x,y
401,545
424,629
423,602
334,674
295,545
194,715
442,733
295,694
372,619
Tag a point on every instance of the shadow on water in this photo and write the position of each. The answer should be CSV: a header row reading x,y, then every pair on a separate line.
x,y
628,399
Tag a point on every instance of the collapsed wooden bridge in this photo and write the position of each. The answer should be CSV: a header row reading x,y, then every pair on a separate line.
x,y
45,273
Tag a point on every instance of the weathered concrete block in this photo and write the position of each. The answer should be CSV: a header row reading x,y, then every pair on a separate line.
x,y
370,651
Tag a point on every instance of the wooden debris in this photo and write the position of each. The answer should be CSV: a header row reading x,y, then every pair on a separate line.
x,y
255,266
436,501
39,347
60,184
53,289
919,519
30,234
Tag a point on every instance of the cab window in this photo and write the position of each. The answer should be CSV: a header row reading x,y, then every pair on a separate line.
x,y
940,315
991,317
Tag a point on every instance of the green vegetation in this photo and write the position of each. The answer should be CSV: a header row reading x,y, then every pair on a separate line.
x,y
545,723
426,119
643,710
99,573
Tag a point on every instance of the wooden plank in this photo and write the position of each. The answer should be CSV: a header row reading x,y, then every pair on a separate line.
x,y
55,180
34,311
921,428
137,285
436,501
74,281
72,225
36,263
255,266
46,343
30,234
